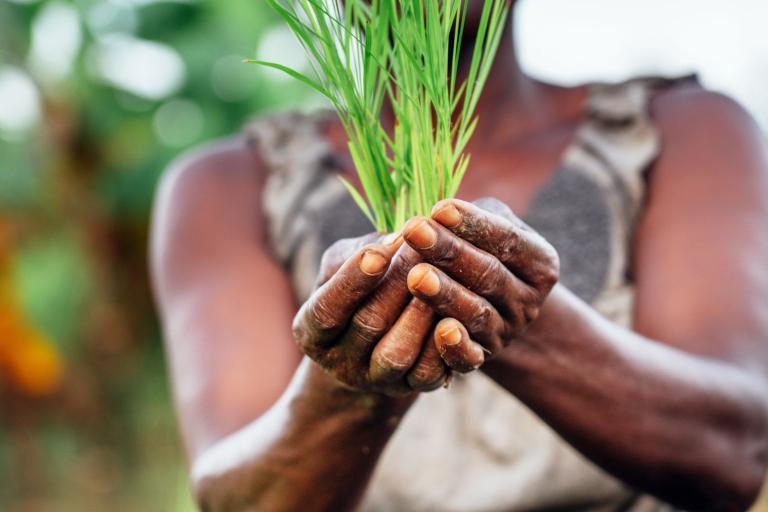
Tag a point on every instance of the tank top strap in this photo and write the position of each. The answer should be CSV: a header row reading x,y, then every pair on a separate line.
x,y
618,140
590,208
305,205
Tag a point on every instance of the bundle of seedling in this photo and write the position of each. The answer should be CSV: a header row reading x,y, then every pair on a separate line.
x,y
368,55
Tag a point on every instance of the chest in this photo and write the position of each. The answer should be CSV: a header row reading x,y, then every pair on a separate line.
x,y
516,174
578,212
571,196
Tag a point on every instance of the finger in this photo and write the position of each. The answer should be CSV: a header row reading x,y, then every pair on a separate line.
x,y
379,311
451,300
521,250
456,348
399,349
474,268
341,250
430,371
493,205
329,309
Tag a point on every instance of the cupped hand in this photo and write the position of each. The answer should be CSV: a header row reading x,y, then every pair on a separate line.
x,y
485,273
363,326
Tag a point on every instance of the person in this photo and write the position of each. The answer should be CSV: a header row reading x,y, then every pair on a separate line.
x,y
608,352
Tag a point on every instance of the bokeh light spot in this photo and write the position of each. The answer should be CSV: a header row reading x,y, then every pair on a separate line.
x,y
19,103
145,68
178,122
56,41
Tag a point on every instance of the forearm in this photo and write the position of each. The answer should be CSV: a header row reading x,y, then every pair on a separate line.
x,y
315,449
688,429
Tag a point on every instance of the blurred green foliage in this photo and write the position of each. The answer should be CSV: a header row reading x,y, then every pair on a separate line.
x,y
76,188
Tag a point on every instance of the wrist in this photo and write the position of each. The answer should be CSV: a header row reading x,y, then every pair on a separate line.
x,y
530,358
321,389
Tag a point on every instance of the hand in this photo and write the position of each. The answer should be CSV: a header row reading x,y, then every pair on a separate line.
x,y
364,327
486,274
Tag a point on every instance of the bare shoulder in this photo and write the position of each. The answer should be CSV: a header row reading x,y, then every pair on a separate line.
x,y
219,173
713,154
207,204
708,135
677,104
216,285
701,240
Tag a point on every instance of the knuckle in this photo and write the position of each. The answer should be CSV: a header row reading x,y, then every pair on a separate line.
x,y
481,318
427,379
546,263
420,306
304,336
519,314
523,314
550,272
322,316
487,280
493,205
531,313
369,324
446,251
300,334
445,302
402,263
509,246
389,365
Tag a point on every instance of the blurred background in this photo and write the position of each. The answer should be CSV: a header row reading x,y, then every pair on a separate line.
x,y
97,97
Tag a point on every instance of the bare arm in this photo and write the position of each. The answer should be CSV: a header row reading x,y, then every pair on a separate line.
x,y
679,408
256,442
225,304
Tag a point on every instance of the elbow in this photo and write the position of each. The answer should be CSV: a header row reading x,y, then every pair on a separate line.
x,y
715,483
216,494
203,491
739,478
738,454
740,494
746,489
207,491
754,447
219,491
722,467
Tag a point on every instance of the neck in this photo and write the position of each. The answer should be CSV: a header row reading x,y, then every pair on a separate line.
x,y
514,105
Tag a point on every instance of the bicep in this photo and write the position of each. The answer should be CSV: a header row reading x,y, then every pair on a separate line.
x,y
225,305
702,244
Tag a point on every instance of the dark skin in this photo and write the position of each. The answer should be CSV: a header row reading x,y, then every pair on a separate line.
x,y
676,407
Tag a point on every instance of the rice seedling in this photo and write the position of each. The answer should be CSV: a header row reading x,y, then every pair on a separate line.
x,y
404,54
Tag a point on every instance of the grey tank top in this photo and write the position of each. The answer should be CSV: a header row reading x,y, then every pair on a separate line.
x,y
474,446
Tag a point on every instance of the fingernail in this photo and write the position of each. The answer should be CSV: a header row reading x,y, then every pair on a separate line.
x,y
451,336
373,263
447,215
420,234
424,280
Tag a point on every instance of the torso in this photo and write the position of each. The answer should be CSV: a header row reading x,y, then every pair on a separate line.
x,y
511,171
581,185
516,174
